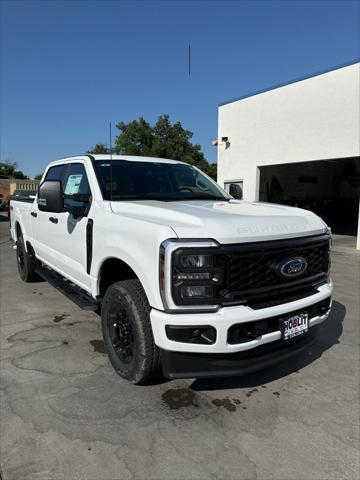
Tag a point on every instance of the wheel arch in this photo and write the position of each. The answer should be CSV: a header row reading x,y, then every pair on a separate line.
x,y
19,232
18,229
111,270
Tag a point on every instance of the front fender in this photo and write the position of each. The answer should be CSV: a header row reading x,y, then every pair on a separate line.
x,y
136,245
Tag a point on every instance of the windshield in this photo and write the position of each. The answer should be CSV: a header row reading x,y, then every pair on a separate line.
x,y
132,180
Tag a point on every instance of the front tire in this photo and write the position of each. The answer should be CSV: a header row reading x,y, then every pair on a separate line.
x,y
26,263
125,318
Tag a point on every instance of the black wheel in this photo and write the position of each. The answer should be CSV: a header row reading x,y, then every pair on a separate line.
x,y
127,332
26,263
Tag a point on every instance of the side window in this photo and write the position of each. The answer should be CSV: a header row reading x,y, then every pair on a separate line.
x,y
56,173
76,182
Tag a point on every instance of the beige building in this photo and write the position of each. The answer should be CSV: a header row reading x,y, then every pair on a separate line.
x,y
9,185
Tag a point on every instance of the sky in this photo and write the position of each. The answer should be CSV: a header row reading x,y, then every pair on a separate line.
x,y
70,67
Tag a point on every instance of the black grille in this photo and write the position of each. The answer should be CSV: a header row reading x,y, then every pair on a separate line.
x,y
287,296
252,277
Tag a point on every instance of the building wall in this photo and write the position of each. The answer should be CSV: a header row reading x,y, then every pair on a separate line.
x,y
313,119
9,185
17,184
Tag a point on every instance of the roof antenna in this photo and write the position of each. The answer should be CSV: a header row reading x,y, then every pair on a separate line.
x,y
189,60
111,167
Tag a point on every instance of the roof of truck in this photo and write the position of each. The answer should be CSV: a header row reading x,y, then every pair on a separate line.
x,y
135,158
129,158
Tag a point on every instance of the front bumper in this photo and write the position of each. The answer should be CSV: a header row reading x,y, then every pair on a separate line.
x,y
223,319
202,365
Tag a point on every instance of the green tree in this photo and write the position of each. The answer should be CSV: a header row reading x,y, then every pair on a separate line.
x,y
9,169
100,148
164,140
135,138
38,176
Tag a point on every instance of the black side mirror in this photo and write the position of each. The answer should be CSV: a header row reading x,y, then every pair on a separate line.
x,y
236,191
50,197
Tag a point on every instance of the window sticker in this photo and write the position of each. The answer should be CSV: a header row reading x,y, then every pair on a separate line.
x,y
73,184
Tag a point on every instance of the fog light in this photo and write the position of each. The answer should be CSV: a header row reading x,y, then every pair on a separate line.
x,y
200,291
204,335
196,261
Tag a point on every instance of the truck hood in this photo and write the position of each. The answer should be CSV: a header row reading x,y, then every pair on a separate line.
x,y
231,221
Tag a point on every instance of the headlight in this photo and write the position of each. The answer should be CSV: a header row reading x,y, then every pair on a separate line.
x,y
196,261
191,274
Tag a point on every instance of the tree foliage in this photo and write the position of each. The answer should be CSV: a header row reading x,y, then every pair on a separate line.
x,y
9,169
100,148
164,140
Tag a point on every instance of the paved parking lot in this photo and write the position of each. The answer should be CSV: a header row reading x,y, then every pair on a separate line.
x,y
66,415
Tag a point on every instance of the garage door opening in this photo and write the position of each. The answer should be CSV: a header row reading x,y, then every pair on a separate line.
x,y
330,188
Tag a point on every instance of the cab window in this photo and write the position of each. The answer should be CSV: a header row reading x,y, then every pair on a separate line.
x,y
76,182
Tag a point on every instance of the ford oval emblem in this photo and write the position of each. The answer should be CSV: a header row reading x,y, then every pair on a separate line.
x,y
292,267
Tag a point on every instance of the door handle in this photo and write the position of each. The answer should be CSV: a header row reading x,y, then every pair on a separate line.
x,y
53,219
33,214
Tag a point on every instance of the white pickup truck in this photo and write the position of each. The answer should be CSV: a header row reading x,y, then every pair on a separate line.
x,y
186,277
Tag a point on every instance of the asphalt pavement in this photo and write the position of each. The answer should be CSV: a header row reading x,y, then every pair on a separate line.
x,y
65,414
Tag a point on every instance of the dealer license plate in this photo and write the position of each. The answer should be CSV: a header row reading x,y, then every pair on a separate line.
x,y
295,325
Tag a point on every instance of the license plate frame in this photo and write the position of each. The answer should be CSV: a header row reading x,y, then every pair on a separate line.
x,y
294,325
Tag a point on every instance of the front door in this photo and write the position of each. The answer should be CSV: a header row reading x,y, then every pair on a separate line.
x,y
61,237
70,243
45,226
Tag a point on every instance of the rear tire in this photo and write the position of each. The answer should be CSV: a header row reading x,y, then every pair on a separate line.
x,y
26,263
125,318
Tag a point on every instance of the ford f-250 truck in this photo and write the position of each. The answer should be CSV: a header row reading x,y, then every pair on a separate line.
x,y
186,277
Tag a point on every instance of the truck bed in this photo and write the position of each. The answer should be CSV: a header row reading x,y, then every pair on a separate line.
x,y
21,205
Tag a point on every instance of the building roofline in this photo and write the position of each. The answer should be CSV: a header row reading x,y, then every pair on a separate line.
x,y
284,84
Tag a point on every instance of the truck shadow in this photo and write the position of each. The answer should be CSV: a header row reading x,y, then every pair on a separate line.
x,y
328,334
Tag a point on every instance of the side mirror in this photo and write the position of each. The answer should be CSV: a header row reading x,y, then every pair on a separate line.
x,y
50,197
236,191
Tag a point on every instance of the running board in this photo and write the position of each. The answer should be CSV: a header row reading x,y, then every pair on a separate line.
x,y
71,291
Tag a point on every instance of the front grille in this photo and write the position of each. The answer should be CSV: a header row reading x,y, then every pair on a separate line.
x,y
285,297
252,277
